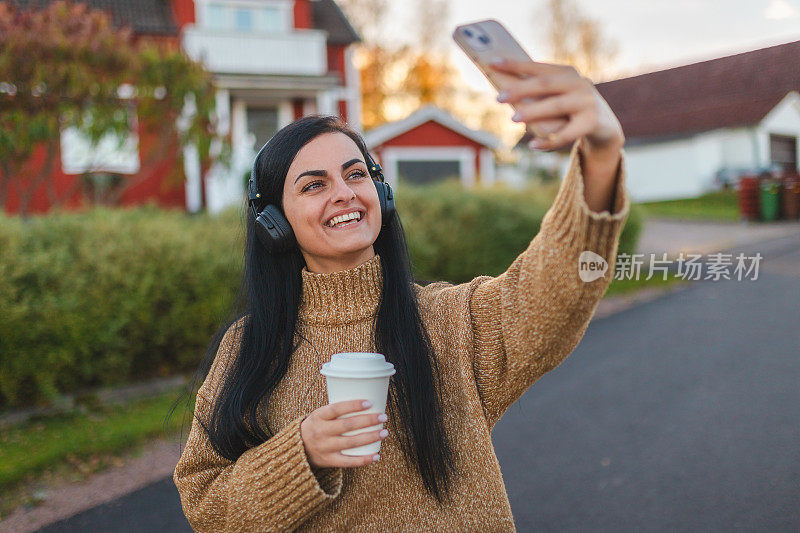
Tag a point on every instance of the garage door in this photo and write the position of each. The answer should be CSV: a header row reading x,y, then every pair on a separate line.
x,y
783,151
421,172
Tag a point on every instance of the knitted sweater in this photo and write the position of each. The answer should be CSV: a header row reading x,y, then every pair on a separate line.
x,y
493,337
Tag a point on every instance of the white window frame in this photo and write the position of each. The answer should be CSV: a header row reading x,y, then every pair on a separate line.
x,y
285,12
78,156
392,155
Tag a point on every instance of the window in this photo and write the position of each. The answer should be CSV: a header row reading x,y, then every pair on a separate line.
x,y
215,17
247,16
420,172
109,155
783,151
271,19
263,123
243,19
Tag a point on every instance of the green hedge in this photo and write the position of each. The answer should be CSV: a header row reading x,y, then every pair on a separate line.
x,y
455,234
108,296
111,296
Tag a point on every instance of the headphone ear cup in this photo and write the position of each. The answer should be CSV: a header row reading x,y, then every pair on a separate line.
x,y
386,198
274,231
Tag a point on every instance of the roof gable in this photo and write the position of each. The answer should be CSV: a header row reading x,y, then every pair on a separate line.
x,y
733,91
151,17
384,133
329,17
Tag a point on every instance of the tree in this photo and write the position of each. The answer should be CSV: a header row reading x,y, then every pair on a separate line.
x,y
367,17
577,40
397,78
376,65
373,60
66,66
431,78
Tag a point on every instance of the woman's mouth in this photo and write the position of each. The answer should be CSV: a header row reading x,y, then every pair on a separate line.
x,y
348,223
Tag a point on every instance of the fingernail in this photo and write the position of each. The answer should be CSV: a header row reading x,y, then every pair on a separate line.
x,y
384,432
375,458
382,418
502,96
366,404
536,144
516,116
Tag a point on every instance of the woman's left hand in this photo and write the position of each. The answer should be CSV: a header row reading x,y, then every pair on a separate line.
x,y
550,91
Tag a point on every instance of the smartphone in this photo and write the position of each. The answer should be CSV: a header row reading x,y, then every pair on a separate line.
x,y
486,40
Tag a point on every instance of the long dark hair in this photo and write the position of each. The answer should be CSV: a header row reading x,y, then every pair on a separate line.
x,y
269,296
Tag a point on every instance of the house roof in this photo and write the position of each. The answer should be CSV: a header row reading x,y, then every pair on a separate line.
x,y
154,17
381,134
732,91
329,17
151,17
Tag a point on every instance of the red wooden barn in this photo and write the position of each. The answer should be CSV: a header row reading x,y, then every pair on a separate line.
x,y
431,145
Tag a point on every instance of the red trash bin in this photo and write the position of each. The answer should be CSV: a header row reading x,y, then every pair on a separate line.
x,y
748,197
790,197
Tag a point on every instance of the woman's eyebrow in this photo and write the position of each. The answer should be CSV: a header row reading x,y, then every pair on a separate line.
x,y
322,173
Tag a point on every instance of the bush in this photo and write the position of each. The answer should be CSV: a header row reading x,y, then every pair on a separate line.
x,y
455,234
110,296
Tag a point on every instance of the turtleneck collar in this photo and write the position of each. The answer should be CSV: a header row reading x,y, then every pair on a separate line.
x,y
344,296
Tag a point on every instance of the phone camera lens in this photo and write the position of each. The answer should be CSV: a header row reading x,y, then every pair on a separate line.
x,y
484,39
467,32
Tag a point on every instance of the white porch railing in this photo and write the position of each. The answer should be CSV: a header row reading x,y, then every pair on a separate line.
x,y
299,52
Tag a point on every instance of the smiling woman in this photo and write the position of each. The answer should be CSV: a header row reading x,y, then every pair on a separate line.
x,y
264,449
313,197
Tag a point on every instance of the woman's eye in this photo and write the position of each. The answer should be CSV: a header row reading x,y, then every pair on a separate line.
x,y
309,186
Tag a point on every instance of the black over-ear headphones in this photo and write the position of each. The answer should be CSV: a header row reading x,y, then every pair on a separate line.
x,y
275,232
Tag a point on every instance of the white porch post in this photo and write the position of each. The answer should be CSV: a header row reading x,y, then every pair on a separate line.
x,y
487,167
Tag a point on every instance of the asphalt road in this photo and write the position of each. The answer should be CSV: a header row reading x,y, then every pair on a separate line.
x,y
682,414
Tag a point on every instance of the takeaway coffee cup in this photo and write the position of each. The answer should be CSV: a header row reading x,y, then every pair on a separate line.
x,y
356,375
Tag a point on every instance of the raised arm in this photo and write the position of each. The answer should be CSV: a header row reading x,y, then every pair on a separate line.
x,y
528,319
271,485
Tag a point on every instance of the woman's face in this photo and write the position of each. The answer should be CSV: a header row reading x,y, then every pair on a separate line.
x,y
327,178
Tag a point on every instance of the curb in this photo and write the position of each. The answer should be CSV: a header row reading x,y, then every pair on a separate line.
x,y
78,401
616,304
774,247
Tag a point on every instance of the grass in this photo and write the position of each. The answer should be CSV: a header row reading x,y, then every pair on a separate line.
x,y
621,287
718,205
36,447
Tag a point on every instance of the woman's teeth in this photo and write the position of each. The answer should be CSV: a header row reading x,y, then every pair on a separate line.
x,y
337,221
346,224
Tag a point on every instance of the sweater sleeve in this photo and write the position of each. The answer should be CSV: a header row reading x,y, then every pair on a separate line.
x,y
270,487
528,319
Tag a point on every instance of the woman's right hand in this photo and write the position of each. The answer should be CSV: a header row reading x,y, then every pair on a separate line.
x,y
322,436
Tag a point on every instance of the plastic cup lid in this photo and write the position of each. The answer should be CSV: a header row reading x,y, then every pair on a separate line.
x,y
358,365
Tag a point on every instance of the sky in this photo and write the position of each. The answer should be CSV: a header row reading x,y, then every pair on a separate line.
x,y
650,34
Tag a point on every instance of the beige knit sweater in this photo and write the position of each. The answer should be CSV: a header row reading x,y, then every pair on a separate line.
x,y
493,336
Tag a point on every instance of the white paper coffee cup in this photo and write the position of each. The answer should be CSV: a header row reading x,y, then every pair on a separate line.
x,y
357,375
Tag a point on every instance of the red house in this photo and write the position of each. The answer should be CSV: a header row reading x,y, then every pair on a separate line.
x,y
431,145
272,62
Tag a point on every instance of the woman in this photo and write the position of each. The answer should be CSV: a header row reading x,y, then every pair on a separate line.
x,y
263,453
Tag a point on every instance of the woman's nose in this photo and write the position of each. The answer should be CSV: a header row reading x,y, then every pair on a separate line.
x,y
341,191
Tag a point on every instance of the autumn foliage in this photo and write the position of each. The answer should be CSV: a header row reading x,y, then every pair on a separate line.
x,y
67,66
